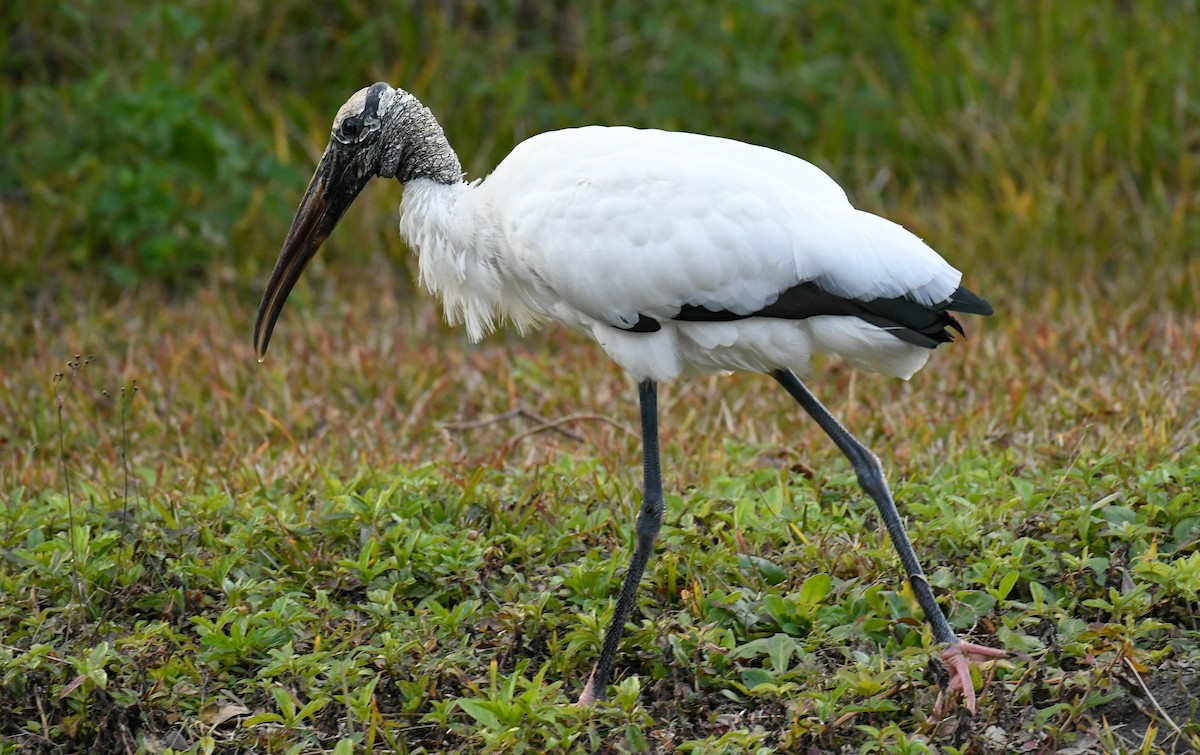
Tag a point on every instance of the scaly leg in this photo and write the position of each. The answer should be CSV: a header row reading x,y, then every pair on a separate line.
x,y
649,522
958,654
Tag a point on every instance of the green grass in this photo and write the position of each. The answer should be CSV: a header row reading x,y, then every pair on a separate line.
x,y
387,539
388,527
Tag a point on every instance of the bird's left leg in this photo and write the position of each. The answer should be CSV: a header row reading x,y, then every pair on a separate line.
x,y
958,654
649,522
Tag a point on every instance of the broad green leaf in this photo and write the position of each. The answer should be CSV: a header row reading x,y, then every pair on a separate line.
x,y
482,714
815,589
1006,584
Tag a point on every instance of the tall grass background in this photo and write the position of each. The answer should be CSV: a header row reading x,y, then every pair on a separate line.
x,y
166,141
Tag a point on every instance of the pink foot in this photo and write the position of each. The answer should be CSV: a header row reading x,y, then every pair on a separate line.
x,y
587,697
958,659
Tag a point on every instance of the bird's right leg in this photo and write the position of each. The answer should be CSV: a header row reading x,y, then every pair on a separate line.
x,y
649,522
866,464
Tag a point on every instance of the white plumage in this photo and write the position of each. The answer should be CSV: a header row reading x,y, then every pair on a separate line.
x,y
592,227
678,253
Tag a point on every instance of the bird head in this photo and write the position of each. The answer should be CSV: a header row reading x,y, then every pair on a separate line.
x,y
380,131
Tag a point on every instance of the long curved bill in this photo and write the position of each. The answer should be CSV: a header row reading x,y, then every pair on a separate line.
x,y
332,190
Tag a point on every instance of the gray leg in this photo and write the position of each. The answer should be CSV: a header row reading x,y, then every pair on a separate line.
x,y
649,522
870,477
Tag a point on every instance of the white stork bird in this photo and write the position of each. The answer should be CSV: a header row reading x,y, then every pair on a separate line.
x,y
678,253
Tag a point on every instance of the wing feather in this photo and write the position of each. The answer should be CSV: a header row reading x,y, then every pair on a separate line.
x,y
622,224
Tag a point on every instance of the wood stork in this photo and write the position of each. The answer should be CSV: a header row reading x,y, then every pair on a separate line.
x,y
678,253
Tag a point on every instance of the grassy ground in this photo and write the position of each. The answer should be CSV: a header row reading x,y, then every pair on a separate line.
x,y
386,539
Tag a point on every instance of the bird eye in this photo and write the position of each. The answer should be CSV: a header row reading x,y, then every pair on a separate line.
x,y
351,129
356,129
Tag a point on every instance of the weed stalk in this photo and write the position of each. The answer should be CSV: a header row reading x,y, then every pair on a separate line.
x,y
126,403
75,365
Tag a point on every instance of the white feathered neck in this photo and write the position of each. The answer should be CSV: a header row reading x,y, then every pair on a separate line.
x,y
458,258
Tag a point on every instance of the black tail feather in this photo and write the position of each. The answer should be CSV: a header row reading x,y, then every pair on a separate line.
x,y
912,322
965,300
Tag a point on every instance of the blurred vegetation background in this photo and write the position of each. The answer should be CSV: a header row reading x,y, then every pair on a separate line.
x,y
1050,149
374,471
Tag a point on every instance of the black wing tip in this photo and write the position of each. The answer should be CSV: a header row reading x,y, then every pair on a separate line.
x,y
644,324
927,337
965,300
921,325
